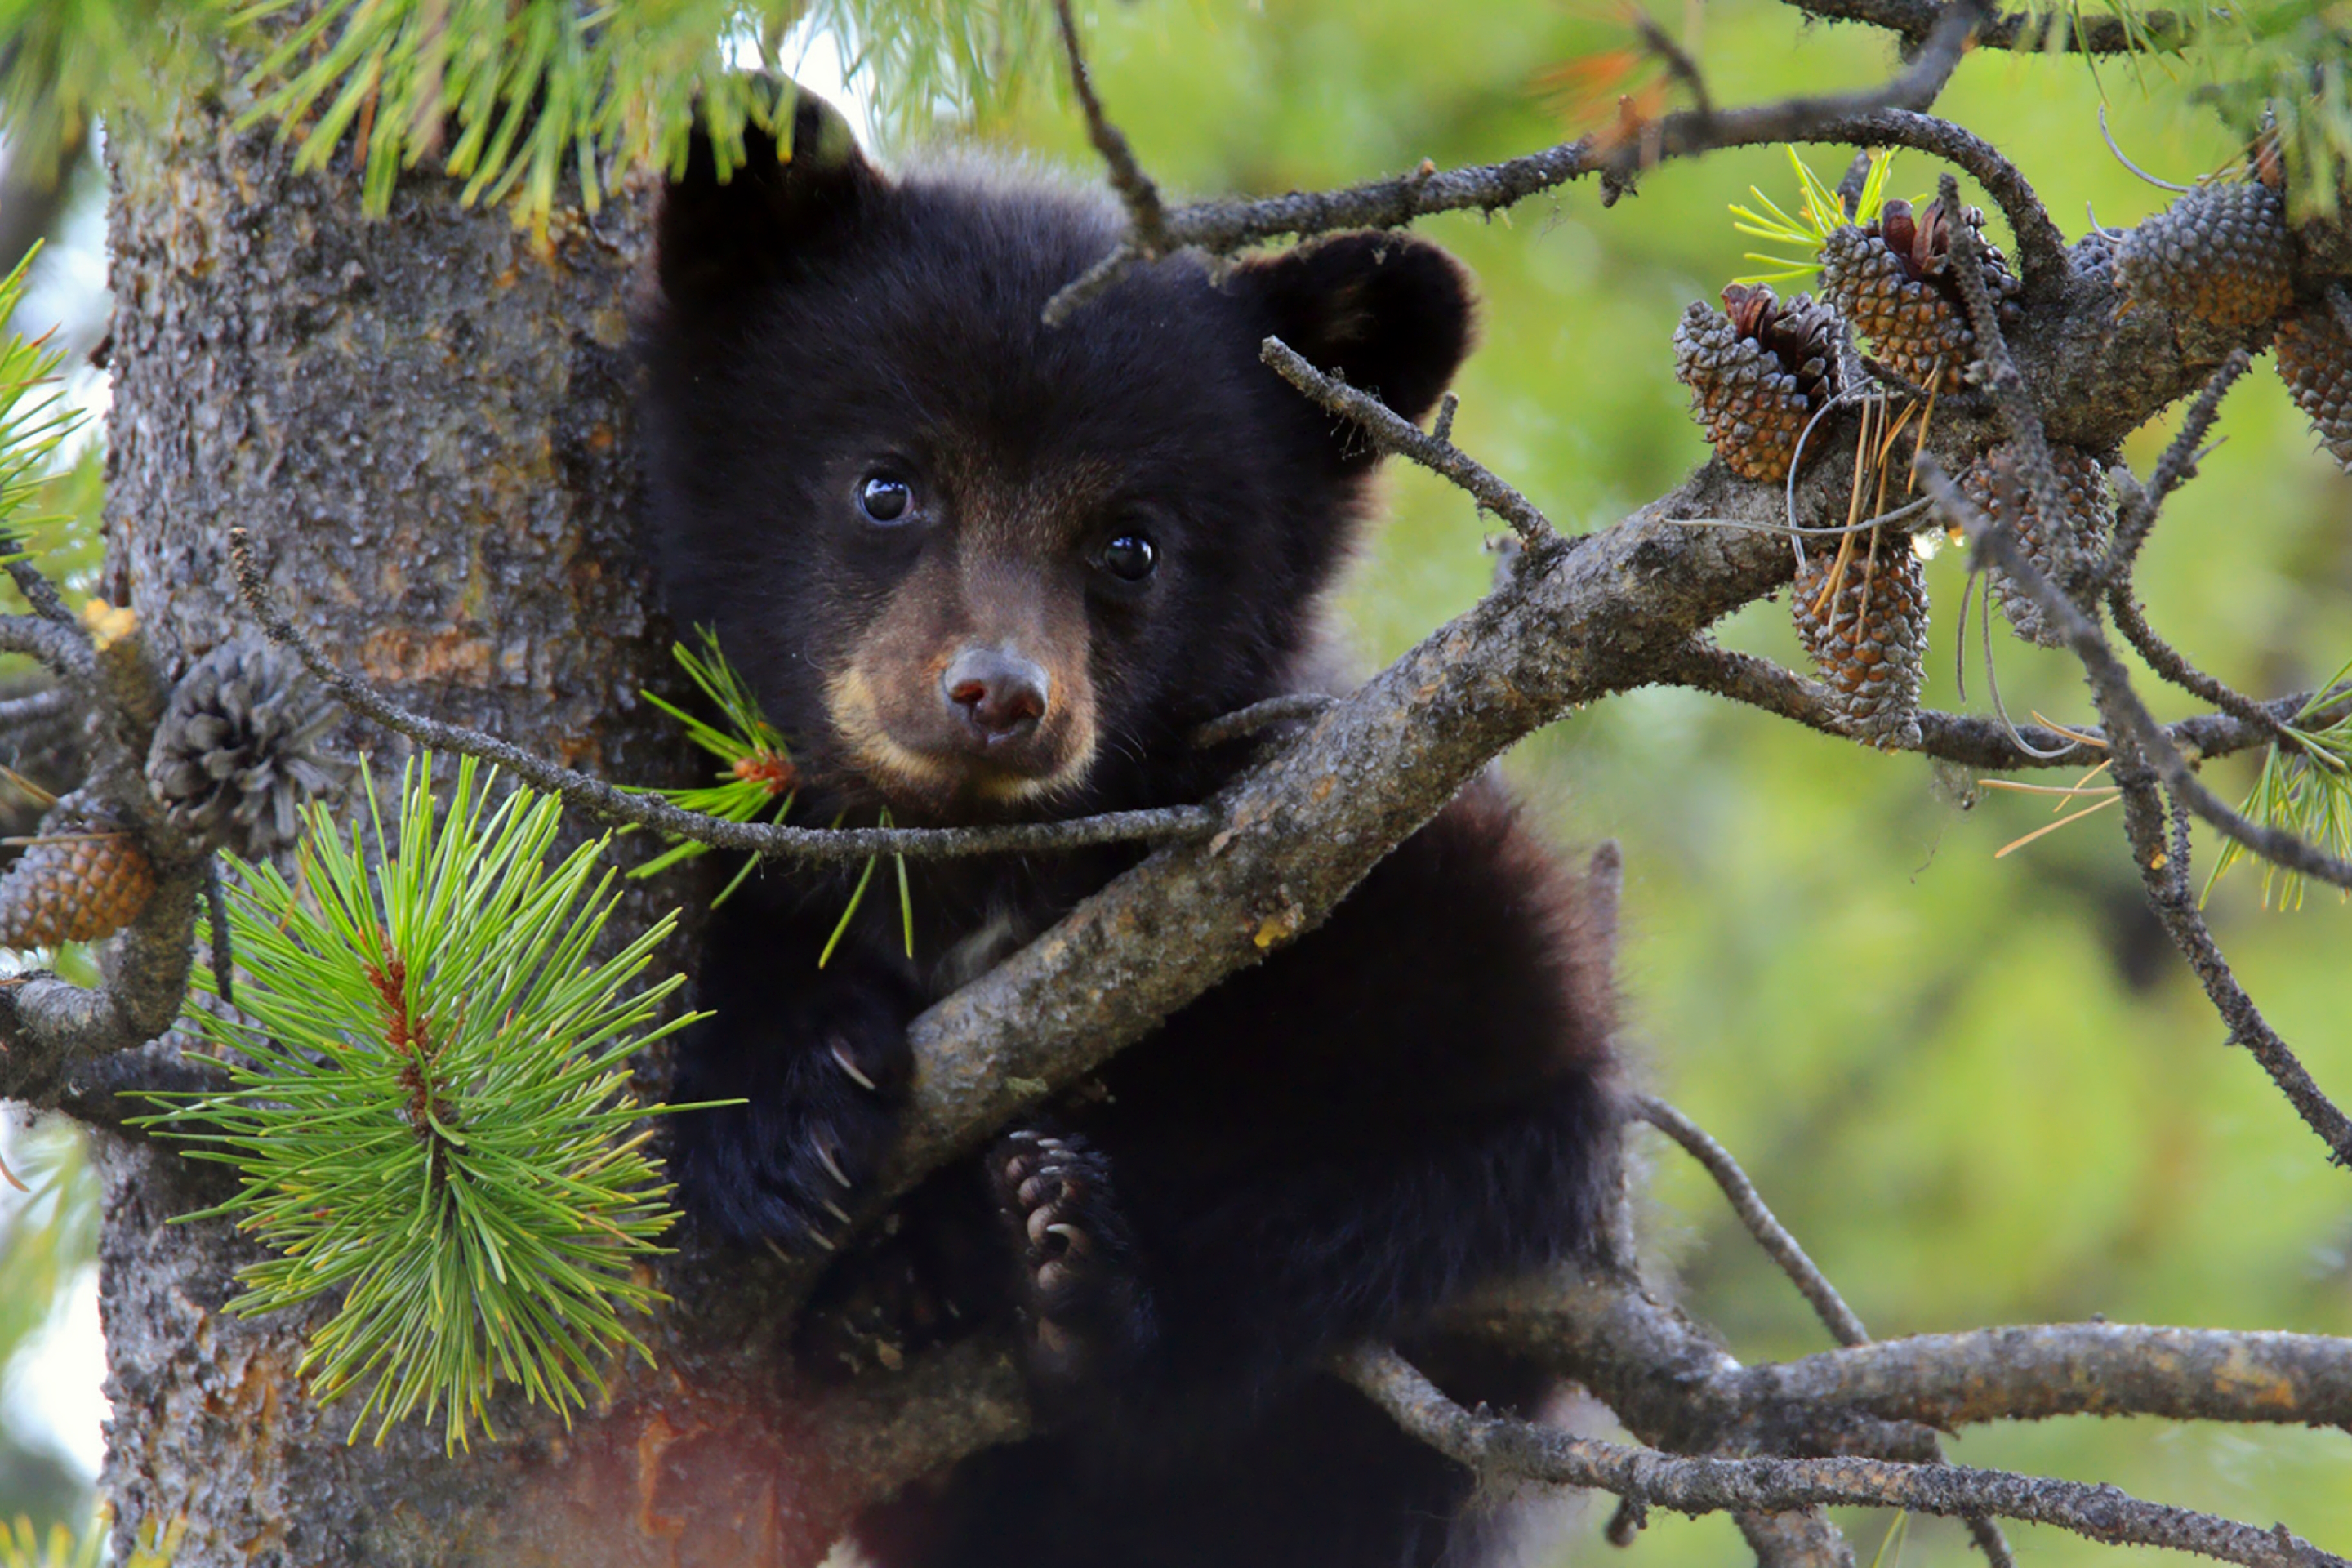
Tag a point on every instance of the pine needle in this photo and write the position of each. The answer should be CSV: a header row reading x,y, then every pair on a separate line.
x,y
429,1114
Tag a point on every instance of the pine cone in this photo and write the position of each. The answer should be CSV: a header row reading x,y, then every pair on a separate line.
x,y
1869,637
2314,360
1892,278
2220,252
84,879
1757,375
237,749
2069,555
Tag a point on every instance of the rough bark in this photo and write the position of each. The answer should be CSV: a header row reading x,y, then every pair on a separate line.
x,y
423,421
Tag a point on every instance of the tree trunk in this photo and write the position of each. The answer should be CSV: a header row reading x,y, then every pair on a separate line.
x,y
424,422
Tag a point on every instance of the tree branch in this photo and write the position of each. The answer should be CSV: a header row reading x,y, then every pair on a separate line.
x,y
1768,1232
2033,1373
64,648
1974,743
1497,1445
2025,31
1781,1247
1889,115
47,1025
1392,432
591,793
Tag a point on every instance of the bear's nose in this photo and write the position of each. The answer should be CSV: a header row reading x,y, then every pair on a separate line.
x,y
1001,695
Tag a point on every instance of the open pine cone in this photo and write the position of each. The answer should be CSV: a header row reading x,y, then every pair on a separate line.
x,y
1758,371
1892,278
238,749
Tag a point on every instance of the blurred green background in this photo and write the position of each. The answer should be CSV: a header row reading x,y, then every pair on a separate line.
x,y
1979,1091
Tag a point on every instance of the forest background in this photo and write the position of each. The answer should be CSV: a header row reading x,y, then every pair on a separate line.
x,y
1980,1088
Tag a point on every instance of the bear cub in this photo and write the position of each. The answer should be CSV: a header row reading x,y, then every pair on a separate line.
x,y
979,569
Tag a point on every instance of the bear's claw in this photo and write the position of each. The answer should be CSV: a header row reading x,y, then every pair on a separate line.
x,y
1080,1300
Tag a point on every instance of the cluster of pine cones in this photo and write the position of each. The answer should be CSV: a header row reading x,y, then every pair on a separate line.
x,y
240,748
1761,371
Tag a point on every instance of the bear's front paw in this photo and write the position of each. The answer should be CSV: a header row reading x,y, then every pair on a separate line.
x,y
1083,1307
787,1165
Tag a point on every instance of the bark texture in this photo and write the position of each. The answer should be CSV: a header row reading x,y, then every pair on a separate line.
x,y
424,422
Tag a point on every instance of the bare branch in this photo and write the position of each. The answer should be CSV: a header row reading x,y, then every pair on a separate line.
x,y
591,793
2036,1371
1392,432
1768,1232
1145,214
38,591
2179,463
1781,1247
2164,872
1498,1445
1972,742
1890,116
2025,31
36,707
64,648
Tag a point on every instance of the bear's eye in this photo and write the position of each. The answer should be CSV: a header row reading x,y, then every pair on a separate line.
x,y
884,499
1130,558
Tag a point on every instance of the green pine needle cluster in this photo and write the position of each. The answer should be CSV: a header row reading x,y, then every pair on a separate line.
x,y
63,62
1819,212
34,417
429,1115
532,103
2304,788
759,779
2287,65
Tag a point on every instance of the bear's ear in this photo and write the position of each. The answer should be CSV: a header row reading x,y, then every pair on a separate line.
x,y
787,198
1390,313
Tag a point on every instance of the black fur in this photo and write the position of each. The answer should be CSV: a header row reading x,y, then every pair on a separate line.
x,y
1412,1096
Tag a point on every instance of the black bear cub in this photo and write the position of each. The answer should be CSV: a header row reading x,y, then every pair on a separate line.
x,y
982,569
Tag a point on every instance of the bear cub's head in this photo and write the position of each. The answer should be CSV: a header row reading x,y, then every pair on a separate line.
x,y
975,566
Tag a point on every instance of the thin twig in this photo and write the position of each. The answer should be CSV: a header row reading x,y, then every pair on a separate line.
x,y
1768,1232
1674,57
1840,1320
1890,116
1157,825
2139,747
2127,716
1498,1445
36,707
2179,463
2164,873
1959,738
1392,432
1259,716
1145,215
38,591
